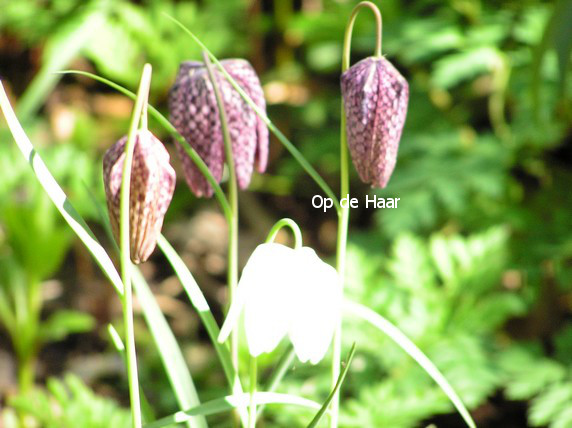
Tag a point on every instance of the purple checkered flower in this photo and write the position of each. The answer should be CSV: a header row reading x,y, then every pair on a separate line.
x,y
194,112
375,98
151,191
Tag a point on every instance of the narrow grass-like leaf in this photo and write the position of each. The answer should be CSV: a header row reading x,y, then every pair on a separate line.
x,y
115,338
281,137
339,382
201,305
164,122
379,322
169,351
198,301
279,372
231,402
57,195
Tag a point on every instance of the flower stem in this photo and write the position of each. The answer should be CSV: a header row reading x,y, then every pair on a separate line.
x,y
350,27
127,298
279,372
252,407
286,222
232,219
343,212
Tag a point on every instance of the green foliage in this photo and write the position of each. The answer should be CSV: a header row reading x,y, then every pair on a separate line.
x,y
445,294
486,147
63,323
33,245
546,382
70,403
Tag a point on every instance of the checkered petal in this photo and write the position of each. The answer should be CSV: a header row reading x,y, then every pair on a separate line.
x,y
194,112
375,101
151,191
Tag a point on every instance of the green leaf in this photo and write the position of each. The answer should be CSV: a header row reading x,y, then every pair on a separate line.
x,y
171,355
550,404
557,35
113,41
376,320
231,402
61,48
456,68
57,195
63,323
527,373
409,264
562,38
337,386
70,403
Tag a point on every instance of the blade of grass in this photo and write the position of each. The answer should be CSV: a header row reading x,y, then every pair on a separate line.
x,y
201,305
281,137
169,351
379,322
57,195
339,382
199,302
231,402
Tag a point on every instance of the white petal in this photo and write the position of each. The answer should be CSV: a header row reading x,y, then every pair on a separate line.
x,y
317,307
267,310
233,314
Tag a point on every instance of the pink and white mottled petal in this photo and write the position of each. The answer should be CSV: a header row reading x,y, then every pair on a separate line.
x,y
375,101
194,112
151,190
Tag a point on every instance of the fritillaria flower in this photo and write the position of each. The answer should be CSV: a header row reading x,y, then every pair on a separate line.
x,y
375,98
194,112
151,191
285,291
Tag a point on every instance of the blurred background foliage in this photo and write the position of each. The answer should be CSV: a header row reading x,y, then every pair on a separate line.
x,y
475,265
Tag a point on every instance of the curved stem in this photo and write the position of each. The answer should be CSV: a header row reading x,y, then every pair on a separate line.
x,y
286,222
127,299
343,212
350,27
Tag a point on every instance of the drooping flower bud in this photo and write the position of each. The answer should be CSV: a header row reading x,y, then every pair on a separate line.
x,y
151,191
194,113
375,98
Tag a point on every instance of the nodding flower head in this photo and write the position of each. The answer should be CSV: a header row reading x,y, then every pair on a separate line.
x,y
151,190
375,98
194,112
285,291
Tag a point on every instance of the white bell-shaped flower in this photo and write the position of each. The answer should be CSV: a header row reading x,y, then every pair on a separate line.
x,y
285,291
